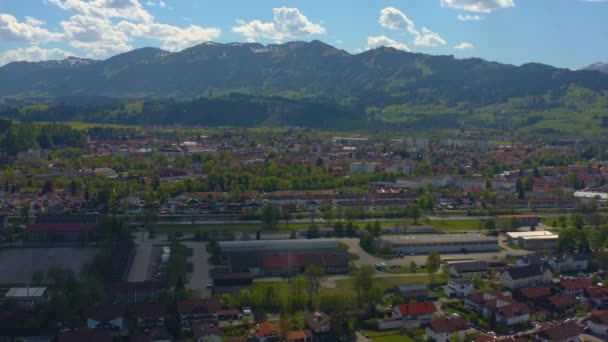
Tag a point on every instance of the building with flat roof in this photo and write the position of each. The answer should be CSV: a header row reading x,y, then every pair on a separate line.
x,y
277,245
538,242
441,243
26,297
541,239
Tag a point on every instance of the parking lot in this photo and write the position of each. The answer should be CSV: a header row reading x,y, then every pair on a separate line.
x,y
19,264
148,252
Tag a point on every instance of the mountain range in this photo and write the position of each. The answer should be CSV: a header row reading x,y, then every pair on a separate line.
x,y
297,69
384,83
601,67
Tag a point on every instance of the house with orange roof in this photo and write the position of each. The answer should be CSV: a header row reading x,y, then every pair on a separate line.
x,y
265,332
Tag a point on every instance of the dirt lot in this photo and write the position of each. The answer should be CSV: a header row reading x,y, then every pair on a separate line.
x,y
19,264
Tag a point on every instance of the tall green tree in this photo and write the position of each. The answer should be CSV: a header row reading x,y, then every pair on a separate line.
x,y
433,263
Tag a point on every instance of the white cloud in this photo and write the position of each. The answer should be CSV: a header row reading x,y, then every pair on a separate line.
x,y
469,17
288,23
429,38
479,6
125,9
375,42
29,31
173,38
464,46
394,19
160,4
32,54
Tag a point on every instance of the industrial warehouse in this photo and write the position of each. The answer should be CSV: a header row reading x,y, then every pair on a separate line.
x,y
271,258
441,243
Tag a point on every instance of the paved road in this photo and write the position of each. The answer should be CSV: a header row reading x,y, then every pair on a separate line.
x,y
199,278
140,268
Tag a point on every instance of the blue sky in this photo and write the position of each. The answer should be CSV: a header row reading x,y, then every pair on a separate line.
x,y
564,33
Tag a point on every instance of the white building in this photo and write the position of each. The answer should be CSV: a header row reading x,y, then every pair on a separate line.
x,y
459,288
440,243
26,297
525,276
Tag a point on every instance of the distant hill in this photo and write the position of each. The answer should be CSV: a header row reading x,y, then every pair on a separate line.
x,y
379,85
297,69
601,67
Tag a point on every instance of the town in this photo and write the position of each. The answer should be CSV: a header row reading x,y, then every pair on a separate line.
x,y
170,233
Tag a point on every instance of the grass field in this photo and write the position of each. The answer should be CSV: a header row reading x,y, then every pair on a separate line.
x,y
405,270
472,224
386,336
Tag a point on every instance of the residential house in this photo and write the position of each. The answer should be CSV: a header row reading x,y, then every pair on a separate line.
x,y
535,294
194,310
596,296
570,262
598,323
561,303
299,336
574,287
206,332
417,292
502,307
228,315
265,332
443,329
513,314
459,288
468,269
319,323
565,332
414,314
106,317
26,297
150,315
523,276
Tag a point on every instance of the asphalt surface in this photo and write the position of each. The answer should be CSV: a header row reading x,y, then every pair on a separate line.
x,y
199,278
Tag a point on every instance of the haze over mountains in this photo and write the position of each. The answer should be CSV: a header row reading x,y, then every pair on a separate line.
x,y
284,83
297,69
599,66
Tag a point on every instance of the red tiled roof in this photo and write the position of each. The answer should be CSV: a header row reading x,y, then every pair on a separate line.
x,y
596,292
575,284
265,329
417,308
561,332
514,310
535,292
562,301
295,335
210,305
280,261
599,317
443,325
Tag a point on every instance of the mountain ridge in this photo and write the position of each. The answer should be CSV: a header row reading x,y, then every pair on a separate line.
x,y
379,77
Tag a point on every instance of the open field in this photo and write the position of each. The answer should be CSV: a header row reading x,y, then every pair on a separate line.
x,y
472,224
19,264
386,336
